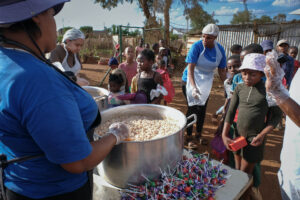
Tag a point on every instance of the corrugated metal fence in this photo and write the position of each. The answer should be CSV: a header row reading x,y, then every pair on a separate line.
x,y
255,33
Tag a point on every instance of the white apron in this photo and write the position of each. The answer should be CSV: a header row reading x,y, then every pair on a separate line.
x,y
203,76
77,66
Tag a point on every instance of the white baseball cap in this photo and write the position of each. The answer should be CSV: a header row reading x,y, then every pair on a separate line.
x,y
254,61
211,29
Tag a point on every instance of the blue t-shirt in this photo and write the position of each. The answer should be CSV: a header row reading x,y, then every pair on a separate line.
x,y
185,74
41,112
210,54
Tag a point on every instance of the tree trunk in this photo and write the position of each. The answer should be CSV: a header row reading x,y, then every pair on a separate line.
x,y
167,20
145,8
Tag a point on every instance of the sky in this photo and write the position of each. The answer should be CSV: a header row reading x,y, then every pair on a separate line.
x,y
77,13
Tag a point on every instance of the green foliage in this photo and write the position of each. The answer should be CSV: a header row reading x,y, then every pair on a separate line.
x,y
242,17
114,30
279,18
64,29
263,19
59,38
173,36
199,17
86,29
109,4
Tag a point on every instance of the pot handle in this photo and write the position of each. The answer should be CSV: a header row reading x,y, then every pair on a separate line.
x,y
100,97
193,122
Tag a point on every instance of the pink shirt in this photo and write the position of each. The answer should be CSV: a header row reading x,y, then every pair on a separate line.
x,y
129,69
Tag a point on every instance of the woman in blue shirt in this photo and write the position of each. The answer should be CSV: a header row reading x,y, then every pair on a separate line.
x,y
203,58
45,117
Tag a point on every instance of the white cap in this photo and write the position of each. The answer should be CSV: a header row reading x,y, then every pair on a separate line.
x,y
283,41
211,29
254,61
161,48
73,34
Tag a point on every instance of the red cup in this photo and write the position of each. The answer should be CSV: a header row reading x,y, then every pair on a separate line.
x,y
238,143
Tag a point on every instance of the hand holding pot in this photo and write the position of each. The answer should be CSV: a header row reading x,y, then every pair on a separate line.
x,y
119,130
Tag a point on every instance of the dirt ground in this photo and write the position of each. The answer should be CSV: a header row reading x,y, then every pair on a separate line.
x,y
269,187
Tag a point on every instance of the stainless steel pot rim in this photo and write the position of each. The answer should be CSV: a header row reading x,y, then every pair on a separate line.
x,y
150,105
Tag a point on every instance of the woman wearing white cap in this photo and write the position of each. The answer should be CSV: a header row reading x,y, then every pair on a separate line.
x,y
289,173
66,55
46,119
203,58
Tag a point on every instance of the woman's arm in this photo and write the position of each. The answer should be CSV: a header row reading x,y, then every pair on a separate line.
x,y
274,86
101,149
291,109
191,68
222,74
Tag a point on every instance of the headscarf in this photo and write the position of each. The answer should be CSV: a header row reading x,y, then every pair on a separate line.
x,y
73,34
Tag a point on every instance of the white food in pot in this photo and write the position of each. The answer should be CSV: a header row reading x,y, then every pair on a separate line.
x,y
142,127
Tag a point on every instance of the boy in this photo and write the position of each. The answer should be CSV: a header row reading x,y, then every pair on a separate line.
x,y
293,52
288,66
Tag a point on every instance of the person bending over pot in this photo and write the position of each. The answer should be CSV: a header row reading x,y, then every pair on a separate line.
x,y
66,55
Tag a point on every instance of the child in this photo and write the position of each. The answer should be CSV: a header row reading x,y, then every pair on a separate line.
x,y
251,48
162,70
113,64
115,82
164,54
254,120
148,79
130,65
147,46
140,48
233,65
155,48
155,66
236,49
293,52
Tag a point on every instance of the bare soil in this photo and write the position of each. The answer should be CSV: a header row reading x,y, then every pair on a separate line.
x,y
269,187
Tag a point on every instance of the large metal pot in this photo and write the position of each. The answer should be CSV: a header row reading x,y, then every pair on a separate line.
x,y
131,160
100,95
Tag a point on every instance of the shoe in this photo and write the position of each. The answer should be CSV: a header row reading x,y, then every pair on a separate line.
x,y
188,138
203,141
191,145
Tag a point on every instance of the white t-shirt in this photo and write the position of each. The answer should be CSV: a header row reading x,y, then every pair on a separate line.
x,y
290,153
227,88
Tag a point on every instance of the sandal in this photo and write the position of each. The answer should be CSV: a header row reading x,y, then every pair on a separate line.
x,y
191,145
203,141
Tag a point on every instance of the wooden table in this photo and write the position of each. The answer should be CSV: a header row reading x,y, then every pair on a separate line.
x,y
234,188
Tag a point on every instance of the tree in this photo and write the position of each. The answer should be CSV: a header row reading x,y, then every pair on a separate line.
x,y
263,19
279,18
87,30
199,17
242,17
150,7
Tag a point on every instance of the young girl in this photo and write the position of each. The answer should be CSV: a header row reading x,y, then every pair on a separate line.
x,y
115,82
250,98
140,48
147,78
162,70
